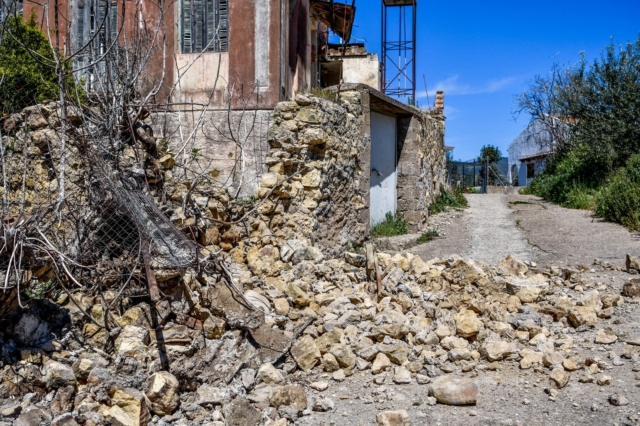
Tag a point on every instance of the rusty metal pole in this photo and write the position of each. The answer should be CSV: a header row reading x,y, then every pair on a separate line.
x,y
154,293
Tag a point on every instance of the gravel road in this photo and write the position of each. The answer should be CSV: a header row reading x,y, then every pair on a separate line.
x,y
492,229
496,225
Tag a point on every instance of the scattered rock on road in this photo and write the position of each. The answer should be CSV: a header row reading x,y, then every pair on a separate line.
x,y
453,390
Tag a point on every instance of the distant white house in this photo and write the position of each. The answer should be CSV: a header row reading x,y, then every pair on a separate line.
x,y
529,151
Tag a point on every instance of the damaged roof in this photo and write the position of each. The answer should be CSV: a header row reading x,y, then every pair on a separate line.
x,y
337,16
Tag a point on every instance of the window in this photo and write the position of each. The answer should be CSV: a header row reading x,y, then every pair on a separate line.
x,y
531,170
96,16
204,26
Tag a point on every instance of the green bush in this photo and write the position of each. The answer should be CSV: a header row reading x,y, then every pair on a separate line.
x,y
391,226
27,68
446,199
619,198
566,182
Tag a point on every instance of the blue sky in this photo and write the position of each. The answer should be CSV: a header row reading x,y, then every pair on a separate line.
x,y
483,53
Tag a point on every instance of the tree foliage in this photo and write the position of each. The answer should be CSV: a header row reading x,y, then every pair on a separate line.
x,y
597,146
600,102
27,65
490,153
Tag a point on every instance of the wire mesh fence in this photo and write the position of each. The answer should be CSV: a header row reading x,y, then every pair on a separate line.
x,y
477,174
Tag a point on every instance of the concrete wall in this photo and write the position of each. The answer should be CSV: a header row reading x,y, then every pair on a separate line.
x,y
534,139
227,147
362,69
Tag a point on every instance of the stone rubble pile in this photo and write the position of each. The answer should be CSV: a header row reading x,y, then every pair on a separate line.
x,y
435,323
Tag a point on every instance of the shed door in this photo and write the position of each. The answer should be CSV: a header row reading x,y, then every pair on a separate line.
x,y
383,166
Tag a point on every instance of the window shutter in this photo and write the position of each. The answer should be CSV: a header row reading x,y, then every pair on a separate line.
x,y
210,24
198,25
101,24
80,25
186,27
113,22
223,25
205,24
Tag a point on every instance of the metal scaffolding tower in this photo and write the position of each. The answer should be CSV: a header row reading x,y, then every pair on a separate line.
x,y
399,49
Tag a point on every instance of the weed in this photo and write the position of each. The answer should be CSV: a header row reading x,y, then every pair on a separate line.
x,y
445,199
391,226
247,201
38,290
354,247
195,153
428,236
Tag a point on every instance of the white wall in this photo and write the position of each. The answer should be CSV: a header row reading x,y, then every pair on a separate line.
x,y
534,139
365,70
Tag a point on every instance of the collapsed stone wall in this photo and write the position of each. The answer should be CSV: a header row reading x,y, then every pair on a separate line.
x,y
320,154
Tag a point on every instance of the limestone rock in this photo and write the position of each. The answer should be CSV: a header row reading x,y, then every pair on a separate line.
x,y
162,393
281,306
133,403
117,416
583,315
209,395
87,362
496,350
528,291
552,359
57,375
319,386
529,358
454,390
512,266
632,264
467,323
306,353
380,364
402,376
330,363
132,339
214,327
631,288
240,412
329,339
618,400
290,395
393,418
298,296
570,364
33,416
606,336
323,404
269,374
560,377
344,355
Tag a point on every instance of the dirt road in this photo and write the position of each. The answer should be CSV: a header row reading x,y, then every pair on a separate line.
x,y
530,228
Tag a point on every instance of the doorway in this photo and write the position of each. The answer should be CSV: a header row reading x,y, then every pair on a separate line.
x,y
383,167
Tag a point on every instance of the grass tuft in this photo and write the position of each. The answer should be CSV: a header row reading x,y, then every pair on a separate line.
x,y
428,236
447,199
391,226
